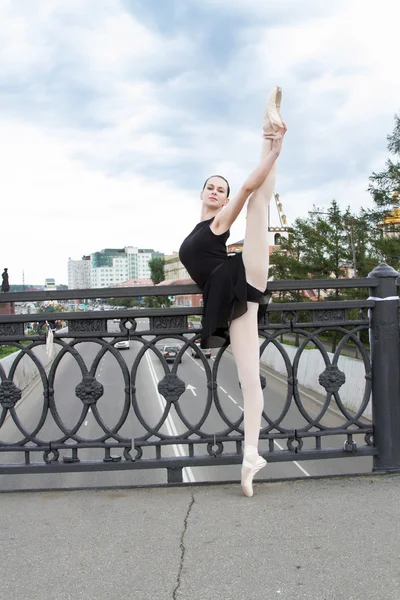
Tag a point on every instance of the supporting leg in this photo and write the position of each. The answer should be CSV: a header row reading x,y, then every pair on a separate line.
x,y
245,348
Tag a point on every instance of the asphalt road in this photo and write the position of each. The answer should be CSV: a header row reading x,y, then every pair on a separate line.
x,y
150,406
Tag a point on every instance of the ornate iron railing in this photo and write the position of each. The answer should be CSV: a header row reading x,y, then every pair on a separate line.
x,y
56,442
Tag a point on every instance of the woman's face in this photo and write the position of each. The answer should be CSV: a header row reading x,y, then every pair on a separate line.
x,y
215,192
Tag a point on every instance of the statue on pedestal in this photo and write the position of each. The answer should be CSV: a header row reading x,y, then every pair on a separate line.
x,y
5,286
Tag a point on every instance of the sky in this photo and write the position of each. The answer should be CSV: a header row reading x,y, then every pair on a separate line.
x,y
114,112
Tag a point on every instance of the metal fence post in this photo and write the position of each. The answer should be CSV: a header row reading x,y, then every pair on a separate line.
x,y
385,357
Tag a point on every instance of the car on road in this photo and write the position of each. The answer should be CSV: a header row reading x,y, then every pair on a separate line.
x,y
170,353
122,345
205,351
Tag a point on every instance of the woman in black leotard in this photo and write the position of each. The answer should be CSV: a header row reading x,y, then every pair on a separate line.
x,y
234,286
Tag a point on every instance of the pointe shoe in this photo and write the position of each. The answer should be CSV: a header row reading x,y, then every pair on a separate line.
x,y
249,469
272,115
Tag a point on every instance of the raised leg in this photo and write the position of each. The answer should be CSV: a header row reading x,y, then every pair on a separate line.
x,y
244,330
256,244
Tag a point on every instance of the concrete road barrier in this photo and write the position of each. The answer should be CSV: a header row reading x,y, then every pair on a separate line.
x,y
312,364
27,371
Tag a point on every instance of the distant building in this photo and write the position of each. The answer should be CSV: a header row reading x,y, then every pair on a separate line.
x,y
50,284
113,266
135,283
144,255
276,235
79,273
390,227
174,269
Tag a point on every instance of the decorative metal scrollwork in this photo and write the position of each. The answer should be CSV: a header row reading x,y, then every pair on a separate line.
x,y
369,438
128,325
89,390
12,329
215,449
169,322
9,394
290,317
51,456
171,387
330,315
294,444
209,423
332,378
87,325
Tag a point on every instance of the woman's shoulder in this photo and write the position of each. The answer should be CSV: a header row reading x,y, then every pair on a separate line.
x,y
218,228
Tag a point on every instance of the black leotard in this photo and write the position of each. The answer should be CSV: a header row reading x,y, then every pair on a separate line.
x,y
222,279
202,251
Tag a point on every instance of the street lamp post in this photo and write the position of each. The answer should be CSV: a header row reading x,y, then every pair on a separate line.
x,y
353,246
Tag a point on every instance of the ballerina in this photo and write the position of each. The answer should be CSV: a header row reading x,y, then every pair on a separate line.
x,y
234,287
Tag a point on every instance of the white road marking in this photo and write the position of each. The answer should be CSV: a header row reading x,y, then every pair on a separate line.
x,y
240,408
279,446
86,423
177,448
294,461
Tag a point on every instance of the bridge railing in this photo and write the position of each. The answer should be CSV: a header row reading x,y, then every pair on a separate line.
x,y
49,438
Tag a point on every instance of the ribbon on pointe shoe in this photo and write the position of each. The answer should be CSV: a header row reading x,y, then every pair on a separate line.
x,y
272,115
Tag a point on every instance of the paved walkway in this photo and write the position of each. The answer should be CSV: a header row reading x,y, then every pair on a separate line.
x,y
319,539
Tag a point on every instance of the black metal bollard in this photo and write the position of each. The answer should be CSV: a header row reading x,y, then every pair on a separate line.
x,y
385,356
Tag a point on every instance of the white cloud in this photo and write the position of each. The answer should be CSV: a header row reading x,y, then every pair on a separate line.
x,y
337,64
268,10
56,208
98,40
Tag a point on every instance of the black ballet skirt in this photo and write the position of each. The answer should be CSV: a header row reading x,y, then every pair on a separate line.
x,y
222,279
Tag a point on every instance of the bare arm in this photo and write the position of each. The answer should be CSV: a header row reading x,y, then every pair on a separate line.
x,y
228,216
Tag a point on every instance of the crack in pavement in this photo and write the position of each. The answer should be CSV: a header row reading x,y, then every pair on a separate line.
x,y
182,547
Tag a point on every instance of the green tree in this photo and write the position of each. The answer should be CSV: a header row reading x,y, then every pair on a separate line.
x,y
157,270
382,187
327,249
157,275
318,246
383,184
364,237
285,265
127,302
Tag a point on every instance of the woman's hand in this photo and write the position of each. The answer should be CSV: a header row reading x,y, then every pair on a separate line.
x,y
276,137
